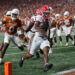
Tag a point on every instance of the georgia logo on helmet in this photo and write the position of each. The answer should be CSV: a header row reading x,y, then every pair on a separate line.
x,y
46,11
14,14
66,14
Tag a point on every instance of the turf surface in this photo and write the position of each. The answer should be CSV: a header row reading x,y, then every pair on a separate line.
x,y
63,58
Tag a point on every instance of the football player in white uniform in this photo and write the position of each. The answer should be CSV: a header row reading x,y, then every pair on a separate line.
x,y
40,40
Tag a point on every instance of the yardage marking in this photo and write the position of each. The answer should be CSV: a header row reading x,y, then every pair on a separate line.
x,y
25,52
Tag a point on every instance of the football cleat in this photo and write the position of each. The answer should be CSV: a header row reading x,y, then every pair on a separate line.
x,y
21,62
47,67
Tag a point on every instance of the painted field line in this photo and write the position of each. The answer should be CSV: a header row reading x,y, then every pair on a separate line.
x,y
63,47
64,72
25,52
52,48
19,53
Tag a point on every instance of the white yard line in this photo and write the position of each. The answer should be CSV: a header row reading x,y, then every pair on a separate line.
x,y
25,52
63,47
64,72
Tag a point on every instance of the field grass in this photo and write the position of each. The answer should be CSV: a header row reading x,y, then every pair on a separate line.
x,y
63,58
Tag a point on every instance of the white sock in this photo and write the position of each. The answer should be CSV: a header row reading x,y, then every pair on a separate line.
x,y
46,63
0,60
22,58
60,42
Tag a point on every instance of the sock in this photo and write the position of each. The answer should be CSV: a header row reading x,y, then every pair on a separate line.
x,y
0,60
46,63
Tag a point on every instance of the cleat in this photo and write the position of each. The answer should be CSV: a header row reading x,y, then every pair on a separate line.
x,y
21,62
47,67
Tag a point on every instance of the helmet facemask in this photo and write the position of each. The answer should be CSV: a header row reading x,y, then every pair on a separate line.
x,y
46,15
14,14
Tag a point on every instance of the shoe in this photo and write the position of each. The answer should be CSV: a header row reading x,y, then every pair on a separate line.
x,y
47,67
21,62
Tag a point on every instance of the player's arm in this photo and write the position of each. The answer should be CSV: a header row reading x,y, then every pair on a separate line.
x,y
71,22
2,21
20,28
37,25
29,27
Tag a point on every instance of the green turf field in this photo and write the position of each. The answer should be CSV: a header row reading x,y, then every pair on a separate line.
x,y
62,58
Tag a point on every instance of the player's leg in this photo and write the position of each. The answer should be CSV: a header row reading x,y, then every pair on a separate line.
x,y
66,33
45,47
4,46
55,37
52,32
59,35
18,42
3,50
74,39
69,34
34,46
55,40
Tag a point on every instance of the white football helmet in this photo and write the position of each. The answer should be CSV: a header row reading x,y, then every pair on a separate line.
x,y
8,13
74,17
51,10
66,14
14,14
57,16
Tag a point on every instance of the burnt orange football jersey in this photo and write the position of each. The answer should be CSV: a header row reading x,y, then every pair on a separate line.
x,y
10,25
52,15
67,21
58,23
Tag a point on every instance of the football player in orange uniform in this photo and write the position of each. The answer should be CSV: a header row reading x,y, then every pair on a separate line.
x,y
58,26
68,22
53,28
13,28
